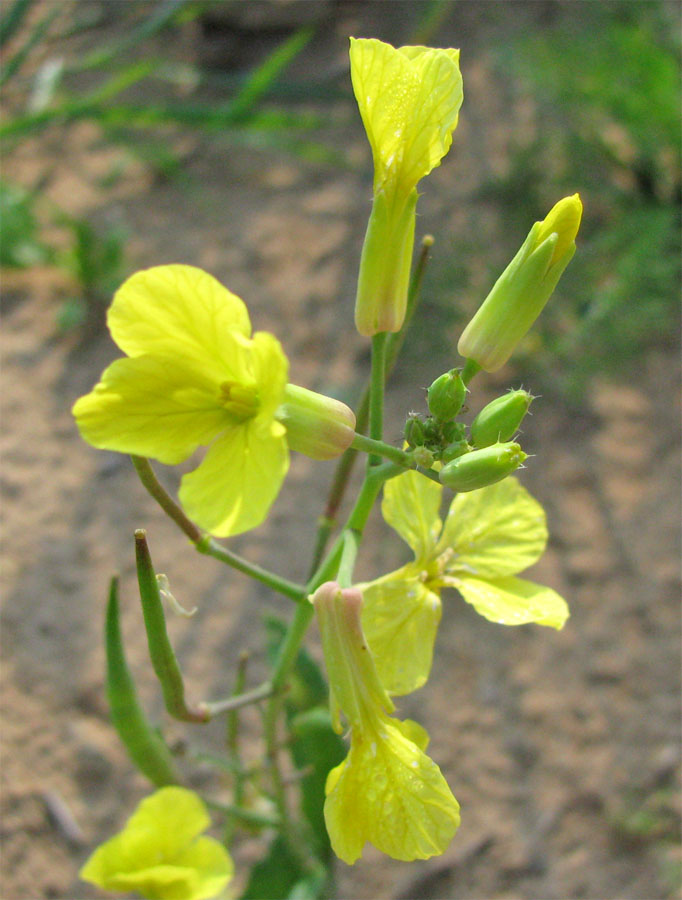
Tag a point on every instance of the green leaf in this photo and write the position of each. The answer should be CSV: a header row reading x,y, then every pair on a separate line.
x,y
315,748
276,875
145,746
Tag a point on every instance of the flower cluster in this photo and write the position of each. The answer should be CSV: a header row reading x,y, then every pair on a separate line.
x,y
195,377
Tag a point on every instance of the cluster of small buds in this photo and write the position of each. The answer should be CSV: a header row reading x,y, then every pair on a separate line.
x,y
472,457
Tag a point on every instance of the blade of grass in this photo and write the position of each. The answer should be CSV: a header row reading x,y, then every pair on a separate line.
x,y
262,78
10,69
161,17
13,19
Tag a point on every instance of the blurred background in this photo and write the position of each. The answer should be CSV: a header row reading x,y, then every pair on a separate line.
x,y
225,135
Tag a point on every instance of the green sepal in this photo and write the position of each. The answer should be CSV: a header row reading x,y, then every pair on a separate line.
x,y
144,744
160,650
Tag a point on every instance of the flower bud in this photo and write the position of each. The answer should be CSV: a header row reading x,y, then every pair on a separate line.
x,y
446,395
423,457
318,426
481,467
520,294
414,431
500,419
384,276
453,450
453,431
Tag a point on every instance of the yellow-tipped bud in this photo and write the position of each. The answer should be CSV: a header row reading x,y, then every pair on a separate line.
x,y
318,426
521,292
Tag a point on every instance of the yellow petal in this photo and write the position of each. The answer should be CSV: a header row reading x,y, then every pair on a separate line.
x,y
148,406
159,853
269,369
563,219
178,311
238,480
497,530
513,601
409,100
389,792
410,505
400,619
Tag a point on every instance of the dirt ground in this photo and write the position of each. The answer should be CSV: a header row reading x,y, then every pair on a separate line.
x,y
562,748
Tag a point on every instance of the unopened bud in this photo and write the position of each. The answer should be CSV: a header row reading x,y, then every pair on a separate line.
x,y
452,451
453,431
500,419
446,395
481,467
523,289
318,426
414,431
423,457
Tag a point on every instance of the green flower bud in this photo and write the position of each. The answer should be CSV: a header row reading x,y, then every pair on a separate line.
x,y
318,426
455,449
481,467
414,431
446,395
423,457
521,292
453,431
500,419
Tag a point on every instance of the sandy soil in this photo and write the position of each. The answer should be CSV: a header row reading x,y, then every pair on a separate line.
x,y
552,742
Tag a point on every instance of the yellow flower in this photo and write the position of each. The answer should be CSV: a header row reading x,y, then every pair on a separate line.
x,y
409,100
387,791
160,853
195,376
521,292
488,537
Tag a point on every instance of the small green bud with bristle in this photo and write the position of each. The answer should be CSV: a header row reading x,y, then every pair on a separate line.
x,y
446,395
500,420
480,468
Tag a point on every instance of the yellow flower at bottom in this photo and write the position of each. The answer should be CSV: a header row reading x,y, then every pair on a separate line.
x,y
194,376
161,854
387,791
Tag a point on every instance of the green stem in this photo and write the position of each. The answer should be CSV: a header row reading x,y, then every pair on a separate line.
x,y
216,707
250,817
379,448
160,494
204,543
470,369
210,547
345,465
376,392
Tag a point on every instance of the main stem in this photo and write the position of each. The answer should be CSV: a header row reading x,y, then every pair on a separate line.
x,y
376,392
